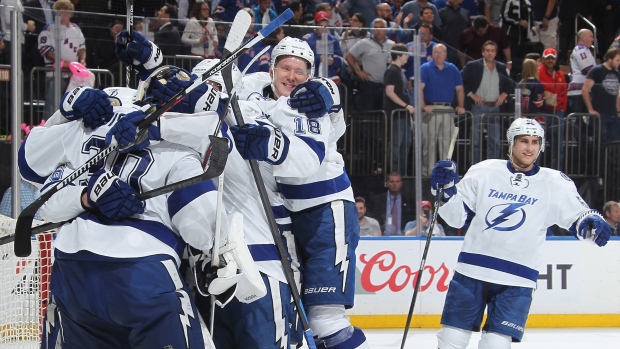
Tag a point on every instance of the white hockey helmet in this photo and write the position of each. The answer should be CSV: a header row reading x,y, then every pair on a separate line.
x,y
125,95
296,48
207,64
525,127
162,74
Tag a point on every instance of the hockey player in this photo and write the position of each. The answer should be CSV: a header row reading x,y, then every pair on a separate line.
x,y
312,179
124,252
510,204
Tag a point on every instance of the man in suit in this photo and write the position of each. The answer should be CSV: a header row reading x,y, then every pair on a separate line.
x,y
487,85
167,36
392,209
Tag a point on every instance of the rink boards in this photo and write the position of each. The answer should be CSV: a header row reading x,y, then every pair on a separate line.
x,y
578,285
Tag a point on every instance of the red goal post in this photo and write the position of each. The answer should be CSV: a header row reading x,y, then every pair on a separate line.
x,y
24,289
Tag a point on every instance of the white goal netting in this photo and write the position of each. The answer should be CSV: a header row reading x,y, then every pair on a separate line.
x,y
24,289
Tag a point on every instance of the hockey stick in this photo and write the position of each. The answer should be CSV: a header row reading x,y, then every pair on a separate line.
x,y
129,5
273,226
455,133
22,246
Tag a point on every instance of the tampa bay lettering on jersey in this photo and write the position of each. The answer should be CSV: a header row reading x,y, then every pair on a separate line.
x,y
524,199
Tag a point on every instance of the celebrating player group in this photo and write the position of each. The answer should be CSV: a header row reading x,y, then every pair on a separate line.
x,y
151,273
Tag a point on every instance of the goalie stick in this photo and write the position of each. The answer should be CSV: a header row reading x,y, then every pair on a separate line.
x,y
273,226
23,225
418,281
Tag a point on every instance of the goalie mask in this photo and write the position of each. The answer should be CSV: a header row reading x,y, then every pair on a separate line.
x,y
293,47
161,74
525,127
207,64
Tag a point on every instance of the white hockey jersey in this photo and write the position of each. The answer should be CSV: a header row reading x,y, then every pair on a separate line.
x,y
581,61
512,211
313,171
71,41
169,221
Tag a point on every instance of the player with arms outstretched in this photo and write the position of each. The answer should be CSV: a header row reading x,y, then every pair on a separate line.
x,y
510,204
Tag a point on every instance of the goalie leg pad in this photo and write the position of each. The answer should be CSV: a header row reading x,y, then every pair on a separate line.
x,y
250,286
453,338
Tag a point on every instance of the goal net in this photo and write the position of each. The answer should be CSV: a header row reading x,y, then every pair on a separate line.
x,y
24,289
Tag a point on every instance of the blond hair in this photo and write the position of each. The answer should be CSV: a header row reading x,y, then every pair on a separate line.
x,y
63,5
529,70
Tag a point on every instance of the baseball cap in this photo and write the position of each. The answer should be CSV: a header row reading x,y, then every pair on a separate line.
x,y
426,203
550,52
321,16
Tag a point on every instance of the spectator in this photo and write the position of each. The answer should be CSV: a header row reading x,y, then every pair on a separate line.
x,y
438,82
249,54
40,13
397,97
600,95
556,101
335,19
493,10
167,37
395,31
333,56
487,84
374,54
427,17
413,8
516,23
28,192
366,7
392,209
426,37
292,28
221,29
368,226
396,6
5,15
581,61
532,91
455,20
355,33
412,228
104,56
138,26
200,31
546,22
611,212
568,12
536,57
73,49
263,14
227,9
473,38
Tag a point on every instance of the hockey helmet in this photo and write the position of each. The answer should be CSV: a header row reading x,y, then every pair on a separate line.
x,y
161,74
207,64
525,127
296,48
125,95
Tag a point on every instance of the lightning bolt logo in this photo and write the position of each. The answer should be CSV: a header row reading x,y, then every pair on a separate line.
x,y
187,312
340,239
507,213
279,318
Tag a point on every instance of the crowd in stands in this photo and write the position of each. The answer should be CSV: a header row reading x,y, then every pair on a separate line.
x,y
545,48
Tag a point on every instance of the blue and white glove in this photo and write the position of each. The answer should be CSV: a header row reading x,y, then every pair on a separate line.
x,y
263,143
203,98
113,197
138,52
89,104
316,97
126,130
444,176
591,226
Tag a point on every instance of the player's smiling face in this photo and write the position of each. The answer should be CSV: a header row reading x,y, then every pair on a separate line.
x,y
525,152
288,73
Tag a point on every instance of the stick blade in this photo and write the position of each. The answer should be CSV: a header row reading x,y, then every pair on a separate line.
x,y
239,27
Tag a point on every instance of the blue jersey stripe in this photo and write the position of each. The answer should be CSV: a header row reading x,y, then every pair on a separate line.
x,y
316,189
156,229
26,172
499,265
317,147
280,212
180,198
264,252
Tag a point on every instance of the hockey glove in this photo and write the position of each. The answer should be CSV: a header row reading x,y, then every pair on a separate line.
x,y
263,143
138,52
125,132
91,105
593,227
202,98
316,97
113,197
444,176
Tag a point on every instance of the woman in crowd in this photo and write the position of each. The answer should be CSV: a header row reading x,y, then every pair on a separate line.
x,y
200,31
